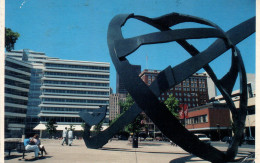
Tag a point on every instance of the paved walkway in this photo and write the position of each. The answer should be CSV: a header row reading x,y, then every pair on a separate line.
x,y
113,152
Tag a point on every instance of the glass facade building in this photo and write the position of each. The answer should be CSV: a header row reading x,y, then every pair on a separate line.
x,y
17,82
71,86
59,89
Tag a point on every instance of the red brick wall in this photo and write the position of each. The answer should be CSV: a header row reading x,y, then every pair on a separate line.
x,y
198,113
215,116
219,116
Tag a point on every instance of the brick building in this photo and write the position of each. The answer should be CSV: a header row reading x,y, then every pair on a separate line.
x,y
192,91
213,119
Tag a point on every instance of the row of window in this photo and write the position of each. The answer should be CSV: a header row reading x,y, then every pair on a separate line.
x,y
64,109
190,89
194,85
76,75
15,101
192,79
75,83
16,92
61,119
75,100
17,66
15,110
75,92
16,83
17,75
197,119
19,120
76,66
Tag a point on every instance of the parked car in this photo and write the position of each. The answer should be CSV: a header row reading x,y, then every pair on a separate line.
x,y
149,139
227,139
203,138
250,140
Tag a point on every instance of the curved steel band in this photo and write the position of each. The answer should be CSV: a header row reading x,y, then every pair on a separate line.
x,y
146,97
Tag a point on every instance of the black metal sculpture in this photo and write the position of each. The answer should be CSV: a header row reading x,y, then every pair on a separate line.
x,y
146,98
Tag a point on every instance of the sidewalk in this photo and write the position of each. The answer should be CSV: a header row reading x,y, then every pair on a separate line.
x,y
113,152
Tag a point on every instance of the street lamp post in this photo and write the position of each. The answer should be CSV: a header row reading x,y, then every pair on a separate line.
x,y
218,131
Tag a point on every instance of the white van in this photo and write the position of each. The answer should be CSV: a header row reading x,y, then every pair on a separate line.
x,y
203,138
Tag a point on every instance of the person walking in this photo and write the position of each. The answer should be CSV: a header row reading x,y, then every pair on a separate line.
x,y
65,136
70,136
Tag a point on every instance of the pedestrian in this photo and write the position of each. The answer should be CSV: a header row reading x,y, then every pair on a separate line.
x,y
65,136
30,145
38,142
70,137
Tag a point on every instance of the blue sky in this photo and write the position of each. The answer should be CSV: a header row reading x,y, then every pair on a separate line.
x,y
77,29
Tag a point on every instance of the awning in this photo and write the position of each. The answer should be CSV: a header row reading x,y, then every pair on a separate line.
x,y
62,127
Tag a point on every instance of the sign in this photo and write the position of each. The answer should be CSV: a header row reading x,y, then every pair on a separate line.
x,y
183,113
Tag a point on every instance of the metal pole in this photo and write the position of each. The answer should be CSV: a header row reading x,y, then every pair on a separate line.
x,y
250,134
154,131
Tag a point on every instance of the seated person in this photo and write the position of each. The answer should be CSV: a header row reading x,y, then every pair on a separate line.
x,y
30,145
38,142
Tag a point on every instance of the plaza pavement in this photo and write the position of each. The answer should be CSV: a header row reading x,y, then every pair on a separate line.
x,y
114,152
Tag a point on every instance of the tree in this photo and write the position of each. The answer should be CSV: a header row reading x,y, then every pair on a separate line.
x,y
50,127
173,105
136,126
10,39
98,127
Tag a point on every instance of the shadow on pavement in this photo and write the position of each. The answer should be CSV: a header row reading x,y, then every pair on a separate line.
x,y
131,150
12,157
184,159
33,159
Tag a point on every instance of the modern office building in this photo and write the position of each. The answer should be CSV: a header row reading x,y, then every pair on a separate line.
x,y
17,83
69,87
250,118
120,88
27,55
212,89
35,59
114,107
60,89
